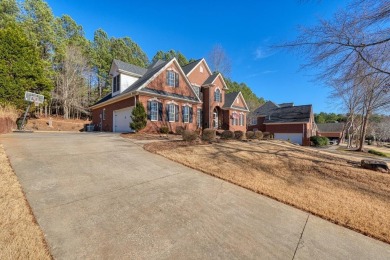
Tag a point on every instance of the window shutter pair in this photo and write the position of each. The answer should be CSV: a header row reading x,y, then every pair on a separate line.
x,y
149,109
160,111
176,113
191,113
176,80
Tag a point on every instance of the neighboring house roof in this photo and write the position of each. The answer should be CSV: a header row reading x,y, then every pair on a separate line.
x,y
291,114
129,67
286,104
190,66
229,101
265,109
330,127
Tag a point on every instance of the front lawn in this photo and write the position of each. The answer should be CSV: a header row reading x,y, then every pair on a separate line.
x,y
331,187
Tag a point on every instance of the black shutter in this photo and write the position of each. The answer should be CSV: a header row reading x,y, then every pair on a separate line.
x,y
177,113
182,113
118,83
149,107
191,113
167,111
176,80
160,111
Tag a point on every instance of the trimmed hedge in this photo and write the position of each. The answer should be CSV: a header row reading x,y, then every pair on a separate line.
x,y
239,135
227,134
164,129
259,135
319,140
250,135
189,135
209,134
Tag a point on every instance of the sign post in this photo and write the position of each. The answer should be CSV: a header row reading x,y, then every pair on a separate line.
x,y
30,98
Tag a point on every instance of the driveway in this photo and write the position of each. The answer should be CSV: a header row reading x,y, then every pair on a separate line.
x,y
99,196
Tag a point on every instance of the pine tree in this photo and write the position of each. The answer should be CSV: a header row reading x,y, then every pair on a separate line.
x,y
138,117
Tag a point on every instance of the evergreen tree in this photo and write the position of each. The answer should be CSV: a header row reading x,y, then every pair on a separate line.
x,y
21,68
138,117
160,55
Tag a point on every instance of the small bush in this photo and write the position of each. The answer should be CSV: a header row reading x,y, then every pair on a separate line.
x,y
139,117
259,135
164,130
209,134
250,135
239,135
227,134
189,135
267,135
179,130
377,153
319,140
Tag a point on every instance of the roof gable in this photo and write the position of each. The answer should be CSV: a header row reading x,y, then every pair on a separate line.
x,y
291,114
230,99
210,80
190,67
265,109
129,68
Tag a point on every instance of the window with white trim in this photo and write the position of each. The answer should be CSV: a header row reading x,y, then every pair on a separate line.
x,y
234,118
254,121
172,78
171,112
217,95
186,114
116,83
241,119
154,111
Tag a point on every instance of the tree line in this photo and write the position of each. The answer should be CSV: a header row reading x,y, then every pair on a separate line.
x,y
50,55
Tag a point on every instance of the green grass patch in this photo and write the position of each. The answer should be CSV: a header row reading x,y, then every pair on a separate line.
x,y
378,153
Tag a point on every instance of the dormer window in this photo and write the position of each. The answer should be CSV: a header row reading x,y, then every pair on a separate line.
x,y
172,79
217,95
116,83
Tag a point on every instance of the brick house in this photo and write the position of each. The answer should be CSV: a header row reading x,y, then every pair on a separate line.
x,y
331,130
190,97
285,121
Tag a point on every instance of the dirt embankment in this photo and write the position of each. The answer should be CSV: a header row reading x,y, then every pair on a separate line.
x,y
6,125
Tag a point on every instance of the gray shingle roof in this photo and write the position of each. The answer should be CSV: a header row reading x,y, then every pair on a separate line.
x,y
289,114
164,93
286,104
330,127
211,79
229,99
190,66
265,109
130,67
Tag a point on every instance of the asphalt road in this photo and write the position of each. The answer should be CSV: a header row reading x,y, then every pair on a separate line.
x,y
98,196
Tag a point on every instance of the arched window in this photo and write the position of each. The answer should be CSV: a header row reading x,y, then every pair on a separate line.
x,y
217,95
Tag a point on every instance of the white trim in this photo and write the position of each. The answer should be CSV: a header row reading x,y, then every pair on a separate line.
x,y
242,109
129,73
114,100
154,99
171,102
174,112
164,97
152,102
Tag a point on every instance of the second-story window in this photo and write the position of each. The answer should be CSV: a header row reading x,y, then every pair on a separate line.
x,y
116,83
172,79
217,95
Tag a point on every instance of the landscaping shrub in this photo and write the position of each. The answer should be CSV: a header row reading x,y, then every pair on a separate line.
x,y
319,140
377,153
259,135
164,130
139,117
227,134
179,130
189,135
267,135
250,135
209,134
239,135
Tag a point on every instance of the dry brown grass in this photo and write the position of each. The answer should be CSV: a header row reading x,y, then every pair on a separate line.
x,y
8,111
146,136
333,188
20,235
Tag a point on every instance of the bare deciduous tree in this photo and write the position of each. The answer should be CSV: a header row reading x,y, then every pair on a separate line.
x,y
219,61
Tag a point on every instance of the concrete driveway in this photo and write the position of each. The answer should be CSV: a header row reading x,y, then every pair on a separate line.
x,y
98,196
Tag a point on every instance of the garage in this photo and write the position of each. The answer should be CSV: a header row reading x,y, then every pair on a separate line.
x,y
292,137
122,120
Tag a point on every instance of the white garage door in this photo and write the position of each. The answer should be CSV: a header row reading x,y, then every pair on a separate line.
x,y
293,137
122,119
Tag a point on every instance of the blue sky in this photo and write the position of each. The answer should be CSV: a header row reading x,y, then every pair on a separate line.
x,y
244,28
